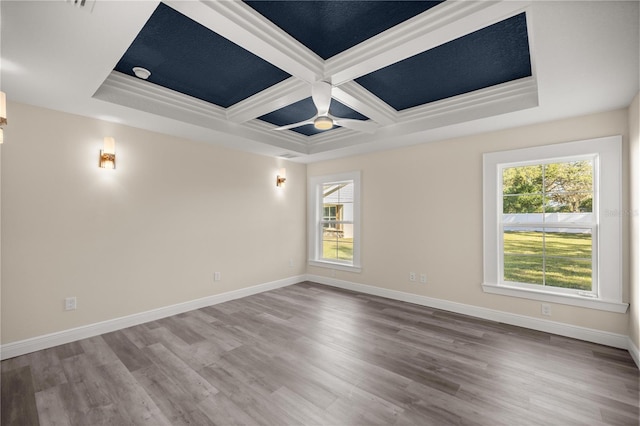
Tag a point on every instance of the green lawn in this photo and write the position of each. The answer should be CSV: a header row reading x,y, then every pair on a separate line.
x,y
337,248
568,262
568,259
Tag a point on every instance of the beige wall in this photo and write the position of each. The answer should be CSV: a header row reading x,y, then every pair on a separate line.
x,y
422,212
147,235
152,232
634,298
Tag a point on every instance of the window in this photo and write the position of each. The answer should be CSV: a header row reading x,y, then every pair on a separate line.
x,y
552,226
547,225
334,212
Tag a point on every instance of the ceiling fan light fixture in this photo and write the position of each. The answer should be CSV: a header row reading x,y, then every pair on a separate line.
x,y
323,123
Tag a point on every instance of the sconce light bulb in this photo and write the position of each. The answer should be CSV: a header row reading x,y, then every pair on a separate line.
x,y
108,154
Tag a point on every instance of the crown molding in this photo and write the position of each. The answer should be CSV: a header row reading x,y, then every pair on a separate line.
x,y
122,89
149,97
242,25
491,101
250,30
337,134
132,92
325,141
276,137
434,27
495,100
339,139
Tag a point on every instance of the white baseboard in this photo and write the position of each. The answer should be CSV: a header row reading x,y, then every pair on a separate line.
x,y
22,347
633,350
590,335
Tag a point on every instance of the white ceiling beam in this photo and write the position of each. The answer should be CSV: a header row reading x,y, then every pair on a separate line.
x,y
441,24
242,25
273,98
360,99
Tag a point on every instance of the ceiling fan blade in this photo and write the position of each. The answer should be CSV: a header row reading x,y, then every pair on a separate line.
x,y
359,125
291,126
321,94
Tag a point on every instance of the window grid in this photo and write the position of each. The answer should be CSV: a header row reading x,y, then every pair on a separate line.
x,y
334,221
548,225
331,231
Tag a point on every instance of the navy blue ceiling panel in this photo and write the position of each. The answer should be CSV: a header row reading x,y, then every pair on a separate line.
x,y
330,27
305,109
493,55
187,57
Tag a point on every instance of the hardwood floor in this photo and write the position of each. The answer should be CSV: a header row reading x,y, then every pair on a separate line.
x,y
315,355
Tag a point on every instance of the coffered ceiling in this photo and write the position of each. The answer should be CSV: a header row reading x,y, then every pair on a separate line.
x,y
231,72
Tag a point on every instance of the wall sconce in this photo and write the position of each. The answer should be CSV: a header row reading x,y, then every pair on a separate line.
x,y
108,154
281,178
3,114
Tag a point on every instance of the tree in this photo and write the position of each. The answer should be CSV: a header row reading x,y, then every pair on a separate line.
x,y
522,189
556,187
569,186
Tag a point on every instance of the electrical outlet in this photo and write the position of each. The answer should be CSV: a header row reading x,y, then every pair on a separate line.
x,y
546,309
70,303
423,278
290,263
217,276
412,276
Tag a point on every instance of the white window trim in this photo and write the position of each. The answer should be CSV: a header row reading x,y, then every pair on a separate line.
x,y
314,202
609,268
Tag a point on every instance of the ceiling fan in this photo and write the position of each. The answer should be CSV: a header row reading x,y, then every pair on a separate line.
x,y
321,95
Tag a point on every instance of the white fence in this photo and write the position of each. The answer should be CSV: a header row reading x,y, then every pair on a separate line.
x,y
576,222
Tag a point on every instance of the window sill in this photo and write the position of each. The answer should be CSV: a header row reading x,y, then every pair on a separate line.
x,y
335,265
565,299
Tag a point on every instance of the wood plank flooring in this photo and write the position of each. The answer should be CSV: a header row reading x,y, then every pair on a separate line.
x,y
308,354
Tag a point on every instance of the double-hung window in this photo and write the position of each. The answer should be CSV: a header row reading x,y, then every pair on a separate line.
x,y
548,229
334,221
552,223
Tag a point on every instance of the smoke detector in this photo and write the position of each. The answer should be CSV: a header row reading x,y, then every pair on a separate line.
x,y
142,73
